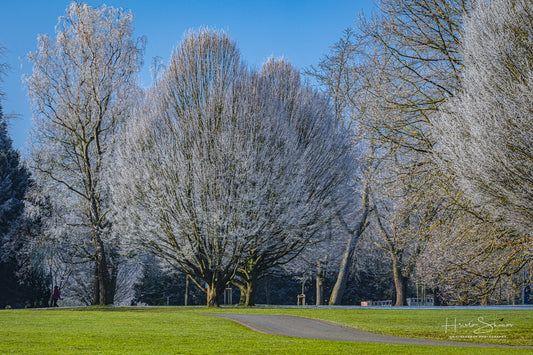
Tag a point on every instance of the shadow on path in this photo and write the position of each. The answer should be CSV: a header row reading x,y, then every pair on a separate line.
x,y
318,329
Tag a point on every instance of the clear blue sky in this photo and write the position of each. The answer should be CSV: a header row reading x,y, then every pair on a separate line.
x,y
302,31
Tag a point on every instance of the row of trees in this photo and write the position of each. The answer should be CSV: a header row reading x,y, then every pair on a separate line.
x,y
438,92
417,146
221,171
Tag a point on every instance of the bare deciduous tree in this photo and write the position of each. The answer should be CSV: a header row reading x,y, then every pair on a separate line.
x,y
80,90
485,132
484,266
325,164
340,75
229,171
414,65
189,165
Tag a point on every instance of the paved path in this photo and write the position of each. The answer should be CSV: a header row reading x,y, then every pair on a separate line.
x,y
317,329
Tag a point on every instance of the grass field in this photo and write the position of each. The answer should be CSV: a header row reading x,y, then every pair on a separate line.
x,y
181,330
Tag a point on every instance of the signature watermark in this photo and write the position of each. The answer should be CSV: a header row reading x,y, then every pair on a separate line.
x,y
480,328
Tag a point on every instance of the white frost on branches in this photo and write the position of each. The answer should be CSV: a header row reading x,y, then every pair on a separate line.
x,y
221,161
485,133
81,90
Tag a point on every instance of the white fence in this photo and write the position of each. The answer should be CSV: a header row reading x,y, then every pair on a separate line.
x,y
420,301
376,303
415,301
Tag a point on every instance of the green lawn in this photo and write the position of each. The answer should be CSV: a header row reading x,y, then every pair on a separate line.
x,y
180,330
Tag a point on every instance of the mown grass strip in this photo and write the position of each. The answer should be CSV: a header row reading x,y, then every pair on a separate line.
x,y
182,330
506,327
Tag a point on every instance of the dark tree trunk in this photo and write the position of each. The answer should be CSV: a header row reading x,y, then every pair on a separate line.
x,y
249,274
400,284
251,288
112,284
267,289
102,275
342,276
103,296
187,290
213,295
319,285
340,284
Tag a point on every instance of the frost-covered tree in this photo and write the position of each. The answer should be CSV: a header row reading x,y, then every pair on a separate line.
x,y
419,63
388,77
413,51
217,170
403,65
486,266
340,74
485,132
399,225
80,90
336,76
324,154
186,167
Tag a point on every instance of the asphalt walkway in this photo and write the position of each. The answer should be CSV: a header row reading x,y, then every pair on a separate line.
x,y
317,329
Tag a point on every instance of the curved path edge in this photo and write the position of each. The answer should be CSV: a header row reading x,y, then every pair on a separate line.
x,y
301,327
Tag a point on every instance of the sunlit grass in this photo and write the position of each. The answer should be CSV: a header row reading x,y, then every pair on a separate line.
x,y
508,327
180,330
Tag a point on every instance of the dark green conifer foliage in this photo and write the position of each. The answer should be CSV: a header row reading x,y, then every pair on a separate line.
x,y
14,181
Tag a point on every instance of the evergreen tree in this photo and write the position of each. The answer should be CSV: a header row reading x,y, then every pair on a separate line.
x,y
14,180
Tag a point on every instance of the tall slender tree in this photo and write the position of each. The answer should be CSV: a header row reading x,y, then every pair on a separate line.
x,y
81,91
14,181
